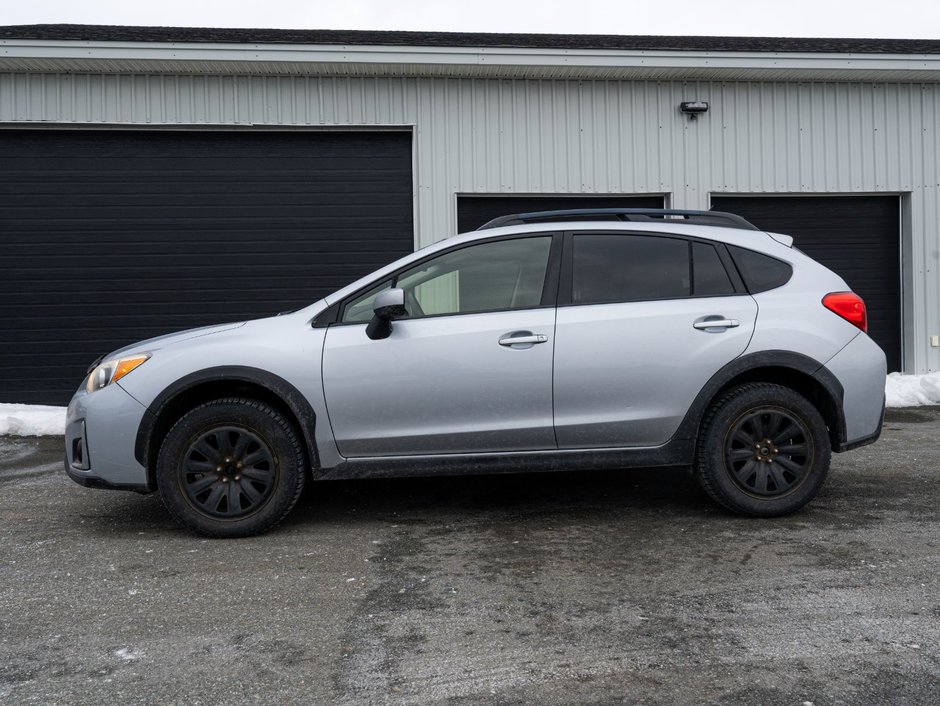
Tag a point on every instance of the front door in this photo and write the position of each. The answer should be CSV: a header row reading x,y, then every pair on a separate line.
x,y
449,378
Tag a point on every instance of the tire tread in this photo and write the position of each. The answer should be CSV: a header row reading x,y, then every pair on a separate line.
x,y
290,435
704,450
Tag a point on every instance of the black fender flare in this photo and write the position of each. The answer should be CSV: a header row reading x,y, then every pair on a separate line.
x,y
688,428
298,405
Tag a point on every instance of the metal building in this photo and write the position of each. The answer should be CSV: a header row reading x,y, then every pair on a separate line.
x,y
153,179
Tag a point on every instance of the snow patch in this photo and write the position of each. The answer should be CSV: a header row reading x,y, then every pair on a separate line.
x,y
128,654
912,390
31,420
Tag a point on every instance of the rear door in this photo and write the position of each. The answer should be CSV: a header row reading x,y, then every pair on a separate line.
x,y
644,320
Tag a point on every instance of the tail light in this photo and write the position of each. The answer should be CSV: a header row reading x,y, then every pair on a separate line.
x,y
849,306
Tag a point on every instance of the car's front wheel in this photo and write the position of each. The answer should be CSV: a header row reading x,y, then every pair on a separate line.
x,y
763,450
231,468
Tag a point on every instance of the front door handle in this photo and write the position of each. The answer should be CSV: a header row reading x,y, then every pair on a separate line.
x,y
716,322
522,339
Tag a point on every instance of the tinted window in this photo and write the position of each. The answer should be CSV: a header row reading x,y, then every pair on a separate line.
x,y
760,272
620,268
709,275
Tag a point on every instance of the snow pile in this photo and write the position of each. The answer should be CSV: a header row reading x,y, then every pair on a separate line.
x,y
912,390
31,420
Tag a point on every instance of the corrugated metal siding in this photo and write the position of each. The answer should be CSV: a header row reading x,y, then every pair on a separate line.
x,y
595,137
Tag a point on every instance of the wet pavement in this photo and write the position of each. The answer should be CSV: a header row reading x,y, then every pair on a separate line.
x,y
613,587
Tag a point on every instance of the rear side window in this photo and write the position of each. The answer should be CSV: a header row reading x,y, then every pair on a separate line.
x,y
760,272
710,278
622,268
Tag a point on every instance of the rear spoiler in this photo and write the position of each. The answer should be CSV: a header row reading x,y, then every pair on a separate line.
x,y
782,239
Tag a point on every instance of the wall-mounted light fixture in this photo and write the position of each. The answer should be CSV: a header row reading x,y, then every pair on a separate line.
x,y
693,108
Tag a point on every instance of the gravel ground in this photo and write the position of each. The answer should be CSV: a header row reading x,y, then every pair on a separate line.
x,y
617,587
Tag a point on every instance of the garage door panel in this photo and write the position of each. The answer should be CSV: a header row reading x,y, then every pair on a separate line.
x,y
475,210
242,245
126,215
856,236
223,263
108,237
325,233
285,187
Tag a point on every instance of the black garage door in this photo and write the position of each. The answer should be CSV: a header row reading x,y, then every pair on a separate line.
x,y
111,237
856,236
474,211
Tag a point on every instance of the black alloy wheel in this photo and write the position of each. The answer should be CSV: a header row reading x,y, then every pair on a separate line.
x,y
228,472
768,451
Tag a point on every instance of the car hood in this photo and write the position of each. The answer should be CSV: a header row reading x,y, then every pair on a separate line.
x,y
153,344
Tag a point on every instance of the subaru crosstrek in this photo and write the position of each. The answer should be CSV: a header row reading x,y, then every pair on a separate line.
x,y
554,340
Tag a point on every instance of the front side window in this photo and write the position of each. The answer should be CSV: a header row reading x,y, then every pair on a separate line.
x,y
360,308
499,275
622,268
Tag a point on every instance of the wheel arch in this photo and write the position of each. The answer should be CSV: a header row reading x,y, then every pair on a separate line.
x,y
793,370
216,383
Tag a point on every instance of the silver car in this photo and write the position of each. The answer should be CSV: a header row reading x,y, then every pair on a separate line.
x,y
554,340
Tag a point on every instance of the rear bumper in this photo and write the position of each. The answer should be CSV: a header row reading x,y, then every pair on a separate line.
x,y
865,440
861,369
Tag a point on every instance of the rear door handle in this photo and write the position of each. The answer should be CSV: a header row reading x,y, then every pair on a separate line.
x,y
715,322
522,338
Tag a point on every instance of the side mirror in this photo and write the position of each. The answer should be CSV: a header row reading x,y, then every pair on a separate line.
x,y
388,305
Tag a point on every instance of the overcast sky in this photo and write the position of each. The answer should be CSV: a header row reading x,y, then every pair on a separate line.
x,y
793,18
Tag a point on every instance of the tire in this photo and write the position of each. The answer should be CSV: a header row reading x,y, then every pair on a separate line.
x,y
762,450
231,468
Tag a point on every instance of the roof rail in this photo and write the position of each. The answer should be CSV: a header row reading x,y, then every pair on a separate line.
x,y
655,215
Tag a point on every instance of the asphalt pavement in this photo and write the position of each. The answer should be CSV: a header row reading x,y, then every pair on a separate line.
x,y
567,588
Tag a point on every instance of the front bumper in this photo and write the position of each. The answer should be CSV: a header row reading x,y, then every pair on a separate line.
x,y
100,431
89,480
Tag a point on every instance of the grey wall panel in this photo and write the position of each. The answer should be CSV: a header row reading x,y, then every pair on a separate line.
x,y
557,136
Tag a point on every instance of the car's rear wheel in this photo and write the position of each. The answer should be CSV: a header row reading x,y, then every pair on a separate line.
x,y
762,450
231,468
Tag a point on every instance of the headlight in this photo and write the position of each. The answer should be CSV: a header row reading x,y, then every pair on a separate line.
x,y
113,370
